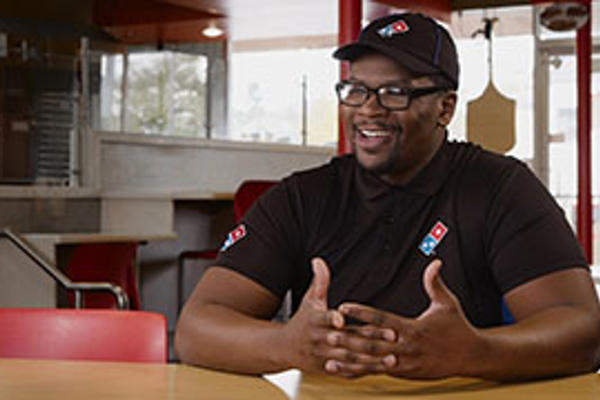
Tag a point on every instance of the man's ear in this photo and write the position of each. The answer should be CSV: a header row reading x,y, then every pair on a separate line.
x,y
447,107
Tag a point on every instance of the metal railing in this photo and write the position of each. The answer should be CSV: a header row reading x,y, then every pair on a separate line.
x,y
62,279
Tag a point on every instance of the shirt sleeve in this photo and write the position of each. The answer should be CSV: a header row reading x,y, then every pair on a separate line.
x,y
527,233
268,248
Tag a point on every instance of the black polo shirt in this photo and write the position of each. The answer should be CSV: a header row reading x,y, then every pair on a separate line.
x,y
486,216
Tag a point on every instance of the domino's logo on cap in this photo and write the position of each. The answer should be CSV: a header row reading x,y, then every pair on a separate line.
x,y
415,41
393,29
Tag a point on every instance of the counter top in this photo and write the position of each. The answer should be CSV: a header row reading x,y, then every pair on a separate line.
x,y
97,237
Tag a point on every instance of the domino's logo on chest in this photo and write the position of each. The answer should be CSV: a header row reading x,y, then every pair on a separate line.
x,y
433,238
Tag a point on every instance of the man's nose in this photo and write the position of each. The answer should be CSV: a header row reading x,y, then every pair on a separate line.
x,y
371,106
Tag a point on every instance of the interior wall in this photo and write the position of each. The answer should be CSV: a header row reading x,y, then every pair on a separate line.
x,y
50,215
23,283
134,162
146,179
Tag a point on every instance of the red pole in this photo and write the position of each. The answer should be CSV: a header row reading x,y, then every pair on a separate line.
x,y
350,15
584,118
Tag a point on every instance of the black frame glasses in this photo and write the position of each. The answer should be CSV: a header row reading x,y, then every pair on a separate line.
x,y
390,97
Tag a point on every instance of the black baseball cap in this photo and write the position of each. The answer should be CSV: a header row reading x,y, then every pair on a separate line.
x,y
415,41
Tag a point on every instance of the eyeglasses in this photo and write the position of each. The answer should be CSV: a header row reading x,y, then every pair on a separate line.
x,y
391,97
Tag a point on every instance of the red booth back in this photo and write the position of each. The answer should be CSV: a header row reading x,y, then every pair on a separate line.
x,y
105,262
67,334
246,195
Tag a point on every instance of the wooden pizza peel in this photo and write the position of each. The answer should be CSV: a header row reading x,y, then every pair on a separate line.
x,y
491,116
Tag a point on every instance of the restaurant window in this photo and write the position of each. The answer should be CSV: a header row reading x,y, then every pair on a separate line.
x,y
283,96
562,149
514,55
165,93
511,75
558,60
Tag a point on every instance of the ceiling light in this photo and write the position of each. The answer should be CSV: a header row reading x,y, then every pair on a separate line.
x,y
564,16
212,31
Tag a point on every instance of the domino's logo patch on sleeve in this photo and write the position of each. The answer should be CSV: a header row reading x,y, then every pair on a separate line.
x,y
234,236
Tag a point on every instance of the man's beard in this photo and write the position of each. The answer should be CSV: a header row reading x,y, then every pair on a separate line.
x,y
389,165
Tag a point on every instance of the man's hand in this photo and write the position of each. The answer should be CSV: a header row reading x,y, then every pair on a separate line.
x,y
438,343
315,334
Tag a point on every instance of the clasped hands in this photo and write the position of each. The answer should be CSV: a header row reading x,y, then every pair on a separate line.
x,y
438,343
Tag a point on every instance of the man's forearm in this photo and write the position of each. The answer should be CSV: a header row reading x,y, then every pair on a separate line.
x,y
221,338
558,341
224,326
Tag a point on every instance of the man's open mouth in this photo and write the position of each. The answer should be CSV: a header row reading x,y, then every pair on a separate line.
x,y
374,133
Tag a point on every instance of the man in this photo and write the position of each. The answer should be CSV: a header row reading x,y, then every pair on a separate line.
x,y
400,256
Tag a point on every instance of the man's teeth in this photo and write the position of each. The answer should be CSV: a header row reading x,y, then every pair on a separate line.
x,y
372,133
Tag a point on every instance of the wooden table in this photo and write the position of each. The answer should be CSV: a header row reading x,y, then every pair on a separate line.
x,y
47,242
46,379
583,387
63,380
